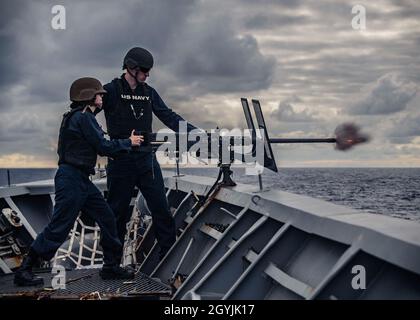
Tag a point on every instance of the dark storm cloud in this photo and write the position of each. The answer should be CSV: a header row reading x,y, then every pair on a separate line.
x,y
226,64
103,38
27,133
267,21
349,62
285,112
39,63
333,10
213,52
407,128
18,126
407,9
273,3
96,37
99,41
10,15
390,94
8,69
329,28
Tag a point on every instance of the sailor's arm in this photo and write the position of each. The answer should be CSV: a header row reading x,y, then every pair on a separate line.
x,y
95,136
109,99
170,118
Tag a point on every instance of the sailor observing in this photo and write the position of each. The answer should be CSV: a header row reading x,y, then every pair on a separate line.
x,y
80,141
130,103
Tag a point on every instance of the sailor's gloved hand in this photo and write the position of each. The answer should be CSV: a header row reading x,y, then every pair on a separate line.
x,y
136,140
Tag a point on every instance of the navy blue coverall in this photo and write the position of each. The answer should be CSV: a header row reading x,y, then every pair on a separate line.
x,y
126,109
81,140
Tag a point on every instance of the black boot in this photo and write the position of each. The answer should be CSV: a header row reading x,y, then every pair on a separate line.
x,y
109,272
24,275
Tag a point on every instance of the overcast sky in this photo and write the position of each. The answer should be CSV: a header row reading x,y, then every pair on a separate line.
x,y
302,59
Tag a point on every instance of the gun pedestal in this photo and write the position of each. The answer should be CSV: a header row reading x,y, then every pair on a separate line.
x,y
177,172
226,175
177,175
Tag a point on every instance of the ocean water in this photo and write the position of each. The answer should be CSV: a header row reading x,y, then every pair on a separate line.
x,y
389,191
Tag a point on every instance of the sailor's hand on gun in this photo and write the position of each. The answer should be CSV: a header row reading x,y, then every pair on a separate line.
x,y
136,140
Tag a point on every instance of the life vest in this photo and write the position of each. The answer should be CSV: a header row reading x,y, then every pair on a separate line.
x,y
133,111
72,148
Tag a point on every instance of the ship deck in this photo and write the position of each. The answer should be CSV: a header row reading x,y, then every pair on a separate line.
x,y
242,243
86,284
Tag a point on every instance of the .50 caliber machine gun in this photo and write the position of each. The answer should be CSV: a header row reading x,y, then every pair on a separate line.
x,y
346,136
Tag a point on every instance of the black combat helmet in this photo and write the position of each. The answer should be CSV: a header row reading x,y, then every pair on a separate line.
x,y
138,57
85,89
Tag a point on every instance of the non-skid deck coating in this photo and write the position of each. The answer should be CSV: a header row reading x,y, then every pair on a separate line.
x,y
86,284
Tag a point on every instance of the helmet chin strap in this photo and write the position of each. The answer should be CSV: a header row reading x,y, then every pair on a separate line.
x,y
134,75
96,107
97,110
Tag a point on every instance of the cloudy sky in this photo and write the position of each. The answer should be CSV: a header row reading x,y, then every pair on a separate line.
x,y
303,60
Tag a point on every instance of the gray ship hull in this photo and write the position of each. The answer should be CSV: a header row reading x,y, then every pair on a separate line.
x,y
243,244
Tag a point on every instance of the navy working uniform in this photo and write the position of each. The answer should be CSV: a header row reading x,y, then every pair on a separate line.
x,y
126,109
80,140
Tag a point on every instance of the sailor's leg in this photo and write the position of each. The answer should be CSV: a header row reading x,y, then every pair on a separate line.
x,y
120,190
153,189
97,208
70,194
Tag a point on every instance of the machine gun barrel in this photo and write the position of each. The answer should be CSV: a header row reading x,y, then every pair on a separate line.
x,y
153,139
303,140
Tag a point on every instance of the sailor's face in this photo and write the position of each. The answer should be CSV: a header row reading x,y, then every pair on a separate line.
x,y
141,74
98,100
